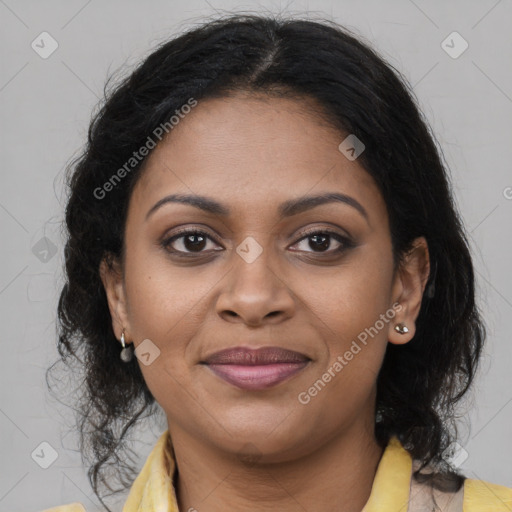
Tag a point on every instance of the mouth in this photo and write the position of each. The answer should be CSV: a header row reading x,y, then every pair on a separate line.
x,y
256,369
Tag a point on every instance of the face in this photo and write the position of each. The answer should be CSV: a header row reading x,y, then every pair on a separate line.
x,y
260,266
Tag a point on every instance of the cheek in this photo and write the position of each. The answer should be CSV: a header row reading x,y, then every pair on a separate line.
x,y
353,297
164,300
167,304
353,307
351,312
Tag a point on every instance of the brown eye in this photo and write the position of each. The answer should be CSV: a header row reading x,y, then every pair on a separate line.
x,y
321,241
187,242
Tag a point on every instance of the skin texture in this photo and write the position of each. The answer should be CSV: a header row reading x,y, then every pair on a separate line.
x,y
236,449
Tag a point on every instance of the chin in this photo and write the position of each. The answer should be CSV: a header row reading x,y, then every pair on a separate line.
x,y
270,439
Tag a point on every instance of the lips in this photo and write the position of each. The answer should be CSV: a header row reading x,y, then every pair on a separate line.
x,y
250,357
256,369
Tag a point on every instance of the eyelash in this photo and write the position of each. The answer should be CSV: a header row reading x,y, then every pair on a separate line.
x,y
346,243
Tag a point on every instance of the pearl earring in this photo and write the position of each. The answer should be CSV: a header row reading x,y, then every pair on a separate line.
x,y
401,328
127,352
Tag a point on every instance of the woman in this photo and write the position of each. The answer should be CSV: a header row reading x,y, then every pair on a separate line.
x,y
262,214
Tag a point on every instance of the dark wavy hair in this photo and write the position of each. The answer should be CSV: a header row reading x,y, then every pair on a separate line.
x,y
358,92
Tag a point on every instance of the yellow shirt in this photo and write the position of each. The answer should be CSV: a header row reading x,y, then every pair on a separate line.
x,y
393,489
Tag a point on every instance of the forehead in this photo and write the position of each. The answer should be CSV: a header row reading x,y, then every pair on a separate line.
x,y
251,151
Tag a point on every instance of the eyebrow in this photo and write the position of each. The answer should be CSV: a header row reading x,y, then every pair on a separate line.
x,y
286,209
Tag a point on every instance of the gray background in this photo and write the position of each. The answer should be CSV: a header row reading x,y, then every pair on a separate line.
x,y
45,109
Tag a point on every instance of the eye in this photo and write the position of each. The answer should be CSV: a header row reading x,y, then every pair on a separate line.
x,y
195,241
187,241
321,241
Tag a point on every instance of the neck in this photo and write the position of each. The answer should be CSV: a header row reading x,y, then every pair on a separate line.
x,y
336,476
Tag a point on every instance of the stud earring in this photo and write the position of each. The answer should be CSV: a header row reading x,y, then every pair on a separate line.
x,y
401,328
127,352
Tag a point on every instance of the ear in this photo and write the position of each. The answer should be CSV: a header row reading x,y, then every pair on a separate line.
x,y
408,287
112,277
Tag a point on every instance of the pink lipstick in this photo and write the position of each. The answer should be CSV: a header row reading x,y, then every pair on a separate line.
x,y
256,369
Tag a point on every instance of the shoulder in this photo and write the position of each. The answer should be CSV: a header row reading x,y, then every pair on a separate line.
x,y
71,507
455,493
481,496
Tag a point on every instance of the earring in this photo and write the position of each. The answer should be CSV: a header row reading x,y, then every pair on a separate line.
x,y
401,328
127,352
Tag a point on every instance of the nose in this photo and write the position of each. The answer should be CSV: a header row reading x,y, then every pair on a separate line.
x,y
255,294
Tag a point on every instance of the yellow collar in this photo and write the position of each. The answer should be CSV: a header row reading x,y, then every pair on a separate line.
x,y
390,489
153,491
